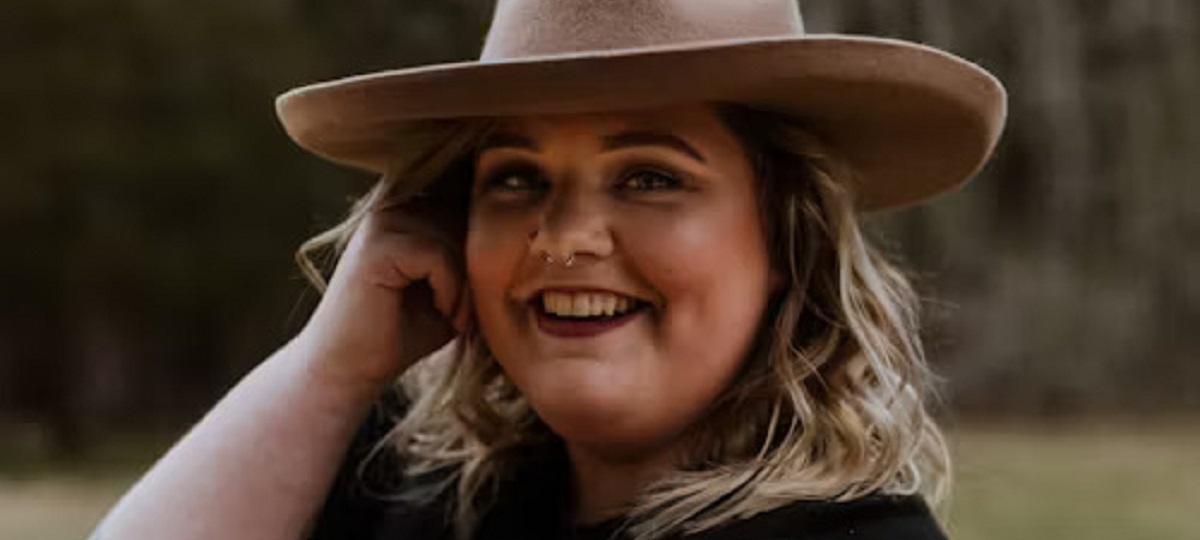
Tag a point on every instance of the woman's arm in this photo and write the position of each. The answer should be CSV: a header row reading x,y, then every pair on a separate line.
x,y
258,466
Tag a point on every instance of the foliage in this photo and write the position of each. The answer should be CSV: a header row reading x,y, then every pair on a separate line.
x,y
152,202
1071,261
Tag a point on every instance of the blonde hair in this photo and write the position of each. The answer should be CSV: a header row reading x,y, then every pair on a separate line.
x,y
829,406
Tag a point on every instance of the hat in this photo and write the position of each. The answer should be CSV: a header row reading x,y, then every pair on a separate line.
x,y
912,121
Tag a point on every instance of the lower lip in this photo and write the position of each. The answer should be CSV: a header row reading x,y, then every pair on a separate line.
x,y
568,328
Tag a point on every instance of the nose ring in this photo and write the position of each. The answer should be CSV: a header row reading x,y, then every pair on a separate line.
x,y
567,262
549,259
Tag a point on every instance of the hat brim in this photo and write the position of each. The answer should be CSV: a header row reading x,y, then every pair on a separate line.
x,y
911,120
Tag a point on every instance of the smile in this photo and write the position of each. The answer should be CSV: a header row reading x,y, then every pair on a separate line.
x,y
584,313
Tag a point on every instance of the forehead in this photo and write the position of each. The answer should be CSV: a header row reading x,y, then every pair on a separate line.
x,y
698,124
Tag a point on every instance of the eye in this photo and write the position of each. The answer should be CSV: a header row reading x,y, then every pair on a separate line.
x,y
514,180
650,179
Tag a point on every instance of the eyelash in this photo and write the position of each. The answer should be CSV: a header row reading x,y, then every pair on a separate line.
x,y
524,179
499,181
665,181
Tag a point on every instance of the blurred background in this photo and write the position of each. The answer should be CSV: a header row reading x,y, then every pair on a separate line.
x,y
150,206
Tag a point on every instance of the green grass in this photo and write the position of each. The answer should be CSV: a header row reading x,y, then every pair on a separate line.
x,y
56,507
1097,483
58,498
1012,483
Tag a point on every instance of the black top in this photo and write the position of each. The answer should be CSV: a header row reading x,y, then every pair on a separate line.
x,y
532,506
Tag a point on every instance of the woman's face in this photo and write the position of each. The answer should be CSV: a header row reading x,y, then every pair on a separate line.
x,y
657,212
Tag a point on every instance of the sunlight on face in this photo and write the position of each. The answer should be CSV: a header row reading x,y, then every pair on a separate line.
x,y
658,212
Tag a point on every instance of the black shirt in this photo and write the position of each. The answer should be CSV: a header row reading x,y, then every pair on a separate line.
x,y
532,506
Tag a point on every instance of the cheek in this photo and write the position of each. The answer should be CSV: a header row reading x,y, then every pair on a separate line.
x,y
714,255
494,251
712,270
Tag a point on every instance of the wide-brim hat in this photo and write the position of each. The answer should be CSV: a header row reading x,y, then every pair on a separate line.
x,y
912,121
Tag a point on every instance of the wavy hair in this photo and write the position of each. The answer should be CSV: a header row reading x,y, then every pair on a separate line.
x,y
830,405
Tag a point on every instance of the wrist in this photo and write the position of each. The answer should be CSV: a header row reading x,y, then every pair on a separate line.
x,y
338,369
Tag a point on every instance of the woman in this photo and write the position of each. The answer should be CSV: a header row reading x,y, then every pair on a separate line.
x,y
629,232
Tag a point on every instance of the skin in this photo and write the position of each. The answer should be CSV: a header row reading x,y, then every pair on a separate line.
x,y
679,228
261,462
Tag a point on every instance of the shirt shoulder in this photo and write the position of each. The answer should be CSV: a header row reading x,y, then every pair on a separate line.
x,y
875,517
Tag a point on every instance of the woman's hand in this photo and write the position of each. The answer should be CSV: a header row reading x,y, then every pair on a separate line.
x,y
262,461
396,295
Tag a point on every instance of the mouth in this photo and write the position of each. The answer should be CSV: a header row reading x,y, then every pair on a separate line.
x,y
579,314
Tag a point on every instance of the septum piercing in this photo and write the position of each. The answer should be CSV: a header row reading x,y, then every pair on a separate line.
x,y
566,263
547,258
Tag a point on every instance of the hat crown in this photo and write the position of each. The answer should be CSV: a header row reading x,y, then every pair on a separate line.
x,y
531,28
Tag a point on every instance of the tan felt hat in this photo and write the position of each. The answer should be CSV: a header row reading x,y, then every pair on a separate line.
x,y
913,121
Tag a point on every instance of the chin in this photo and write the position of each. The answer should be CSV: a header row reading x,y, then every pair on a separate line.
x,y
600,418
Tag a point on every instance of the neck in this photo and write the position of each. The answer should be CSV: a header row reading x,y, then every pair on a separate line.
x,y
605,485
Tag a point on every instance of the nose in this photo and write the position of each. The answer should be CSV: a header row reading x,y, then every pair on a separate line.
x,y
574,228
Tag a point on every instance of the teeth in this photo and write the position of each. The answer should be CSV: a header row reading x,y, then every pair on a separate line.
x,y
581,305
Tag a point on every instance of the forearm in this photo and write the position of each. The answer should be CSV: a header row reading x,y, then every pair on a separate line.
x,y
257,466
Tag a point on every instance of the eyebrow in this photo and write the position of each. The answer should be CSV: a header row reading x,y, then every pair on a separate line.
x,y
624,139
627,139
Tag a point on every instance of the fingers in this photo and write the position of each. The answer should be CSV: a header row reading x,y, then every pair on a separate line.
x,y
418,255
405,258
372,322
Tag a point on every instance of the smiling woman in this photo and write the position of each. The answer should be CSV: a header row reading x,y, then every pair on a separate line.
x,y
619,311
679,240
642,302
